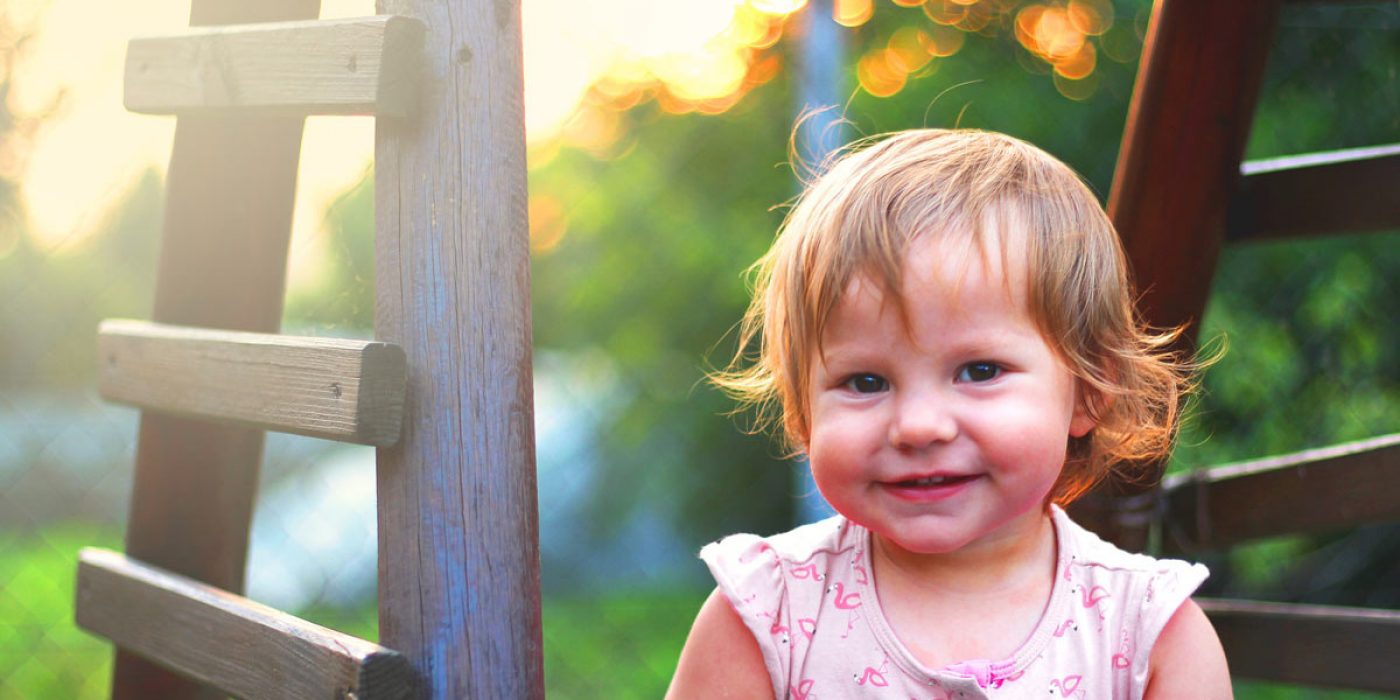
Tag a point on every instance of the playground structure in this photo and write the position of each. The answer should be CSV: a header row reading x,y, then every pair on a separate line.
x,y
445,390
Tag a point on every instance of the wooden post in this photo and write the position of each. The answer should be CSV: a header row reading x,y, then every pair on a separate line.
x,y
1178,168
458,531
1179,164
223,259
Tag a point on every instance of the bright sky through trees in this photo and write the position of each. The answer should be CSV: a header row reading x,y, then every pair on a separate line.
x,y
585,62
89,154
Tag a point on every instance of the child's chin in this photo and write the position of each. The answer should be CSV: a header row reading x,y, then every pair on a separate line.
x,y
925,546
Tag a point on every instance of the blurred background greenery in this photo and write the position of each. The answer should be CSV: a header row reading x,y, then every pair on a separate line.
x,y
646,207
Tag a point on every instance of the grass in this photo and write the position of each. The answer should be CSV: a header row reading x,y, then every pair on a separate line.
x,y
622,645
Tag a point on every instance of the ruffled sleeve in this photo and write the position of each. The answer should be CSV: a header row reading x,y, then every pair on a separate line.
x,y
1167,589
750,574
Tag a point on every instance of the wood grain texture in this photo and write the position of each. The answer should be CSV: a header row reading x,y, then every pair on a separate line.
x,y
364,65
223,260
1179,164
226,641
332,388
1351,191
1178,167
1315,491
458,533
1335,647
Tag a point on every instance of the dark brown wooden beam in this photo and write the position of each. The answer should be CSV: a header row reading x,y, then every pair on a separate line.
x,y
1187,125
1352,648
223,259
459,587
1315,491
226,641
1351,191
1188,121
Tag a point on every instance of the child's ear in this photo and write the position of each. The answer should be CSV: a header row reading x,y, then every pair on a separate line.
x,y
1089,404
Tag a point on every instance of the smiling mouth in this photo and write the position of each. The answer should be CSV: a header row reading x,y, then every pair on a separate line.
x,y
932,481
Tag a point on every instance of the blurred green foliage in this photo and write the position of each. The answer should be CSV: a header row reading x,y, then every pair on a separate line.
x,y
43,654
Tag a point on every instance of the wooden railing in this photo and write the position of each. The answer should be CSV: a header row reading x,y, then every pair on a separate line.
x,y
1180,192
1311,492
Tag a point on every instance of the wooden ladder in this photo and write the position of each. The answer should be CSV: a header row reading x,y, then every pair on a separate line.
x,y
444,393
1180,192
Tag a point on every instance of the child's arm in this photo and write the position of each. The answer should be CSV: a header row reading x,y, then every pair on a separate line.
x,y
721,659
1187,661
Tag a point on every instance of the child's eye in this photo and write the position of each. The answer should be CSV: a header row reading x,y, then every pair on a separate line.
x,y
867,383
979,372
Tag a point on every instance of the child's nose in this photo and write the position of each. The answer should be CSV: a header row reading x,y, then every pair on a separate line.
x,y
921,422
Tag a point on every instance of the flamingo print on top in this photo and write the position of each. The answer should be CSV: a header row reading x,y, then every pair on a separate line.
x,y
808,597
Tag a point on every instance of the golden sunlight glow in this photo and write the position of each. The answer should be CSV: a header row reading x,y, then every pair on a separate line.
x,y
778,7
547,222
1059,34
909,49
967,15
706,63
1093,17
1078,65
852,13
585,64
879,75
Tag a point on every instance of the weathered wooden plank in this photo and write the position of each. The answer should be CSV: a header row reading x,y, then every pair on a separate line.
x,y
1178,167
1309,644
458,530
1351,191
365,65
227,641
1333,488
332,388
223,260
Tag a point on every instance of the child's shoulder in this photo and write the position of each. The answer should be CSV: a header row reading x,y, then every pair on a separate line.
x,y
790,568
1126,595
1089,551
798,545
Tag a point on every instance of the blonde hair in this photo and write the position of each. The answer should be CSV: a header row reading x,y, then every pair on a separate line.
x,y
860,217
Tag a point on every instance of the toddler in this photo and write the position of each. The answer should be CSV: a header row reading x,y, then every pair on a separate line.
x,y
946,332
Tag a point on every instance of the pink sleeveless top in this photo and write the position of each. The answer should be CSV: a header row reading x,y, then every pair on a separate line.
x,y
809,600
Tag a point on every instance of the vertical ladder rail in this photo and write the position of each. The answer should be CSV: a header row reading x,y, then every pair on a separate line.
x,y
223,257
459,583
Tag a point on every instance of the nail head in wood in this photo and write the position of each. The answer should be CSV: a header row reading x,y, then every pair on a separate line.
x,y
365,65
331,388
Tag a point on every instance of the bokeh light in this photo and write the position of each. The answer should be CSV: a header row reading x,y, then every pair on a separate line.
x,y
853,13
1060,34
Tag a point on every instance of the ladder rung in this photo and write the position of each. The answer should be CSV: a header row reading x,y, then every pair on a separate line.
x,y
234,644
1314,491
1348,191
364,65
1309,644
332,388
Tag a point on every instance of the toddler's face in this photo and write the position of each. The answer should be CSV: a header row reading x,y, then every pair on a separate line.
x,y
950,432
